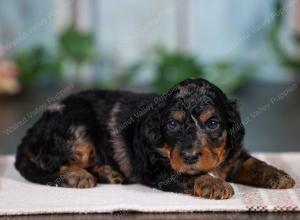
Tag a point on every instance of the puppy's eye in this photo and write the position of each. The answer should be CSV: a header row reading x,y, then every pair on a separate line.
x,y
173,125
212,124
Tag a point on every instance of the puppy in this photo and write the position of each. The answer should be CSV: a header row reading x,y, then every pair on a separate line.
x,y
188,140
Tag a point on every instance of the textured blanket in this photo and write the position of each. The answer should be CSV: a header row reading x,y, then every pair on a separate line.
x,y
18,197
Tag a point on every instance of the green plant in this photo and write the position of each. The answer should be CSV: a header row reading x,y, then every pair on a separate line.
x,y
172,67
76,45
274,37
229,75
169,68
123,78
36,62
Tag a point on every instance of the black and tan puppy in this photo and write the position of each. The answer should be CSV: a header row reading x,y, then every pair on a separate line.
x,y
188,140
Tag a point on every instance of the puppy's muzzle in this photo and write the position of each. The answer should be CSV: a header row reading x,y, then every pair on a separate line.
x,y
190,157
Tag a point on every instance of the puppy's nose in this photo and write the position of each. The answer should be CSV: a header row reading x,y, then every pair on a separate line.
x,y
190,157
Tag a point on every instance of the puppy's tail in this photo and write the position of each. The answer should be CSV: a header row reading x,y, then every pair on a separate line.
x,y
31,171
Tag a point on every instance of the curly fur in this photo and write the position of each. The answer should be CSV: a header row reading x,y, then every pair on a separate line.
x,y
127,134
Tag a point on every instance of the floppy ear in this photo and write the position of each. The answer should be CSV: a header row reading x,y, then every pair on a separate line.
x,y
148,135
235,127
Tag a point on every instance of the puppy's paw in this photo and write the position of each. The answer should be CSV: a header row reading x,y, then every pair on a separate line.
x,y
278,179
212,188
110,175
78,178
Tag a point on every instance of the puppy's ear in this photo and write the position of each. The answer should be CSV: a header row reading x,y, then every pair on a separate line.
x,y
148,135
235,127
149,125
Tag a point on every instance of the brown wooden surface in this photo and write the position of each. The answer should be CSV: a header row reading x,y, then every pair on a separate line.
x,y
172,216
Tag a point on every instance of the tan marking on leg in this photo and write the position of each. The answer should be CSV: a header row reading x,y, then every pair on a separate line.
x,y
112,176
257,173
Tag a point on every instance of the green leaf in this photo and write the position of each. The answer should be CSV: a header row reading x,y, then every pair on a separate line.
x,y
172,67
35,62
77,46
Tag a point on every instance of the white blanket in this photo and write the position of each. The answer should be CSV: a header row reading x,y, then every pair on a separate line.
x,y
18,196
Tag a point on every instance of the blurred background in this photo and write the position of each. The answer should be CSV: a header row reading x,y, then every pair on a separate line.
x,y
49,49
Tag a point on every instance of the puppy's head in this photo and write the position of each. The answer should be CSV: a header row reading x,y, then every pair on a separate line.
x,y
199,127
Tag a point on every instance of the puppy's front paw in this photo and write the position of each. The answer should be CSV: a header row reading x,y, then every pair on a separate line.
x,y
107,174
212,188
111,175
277,179
78,178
